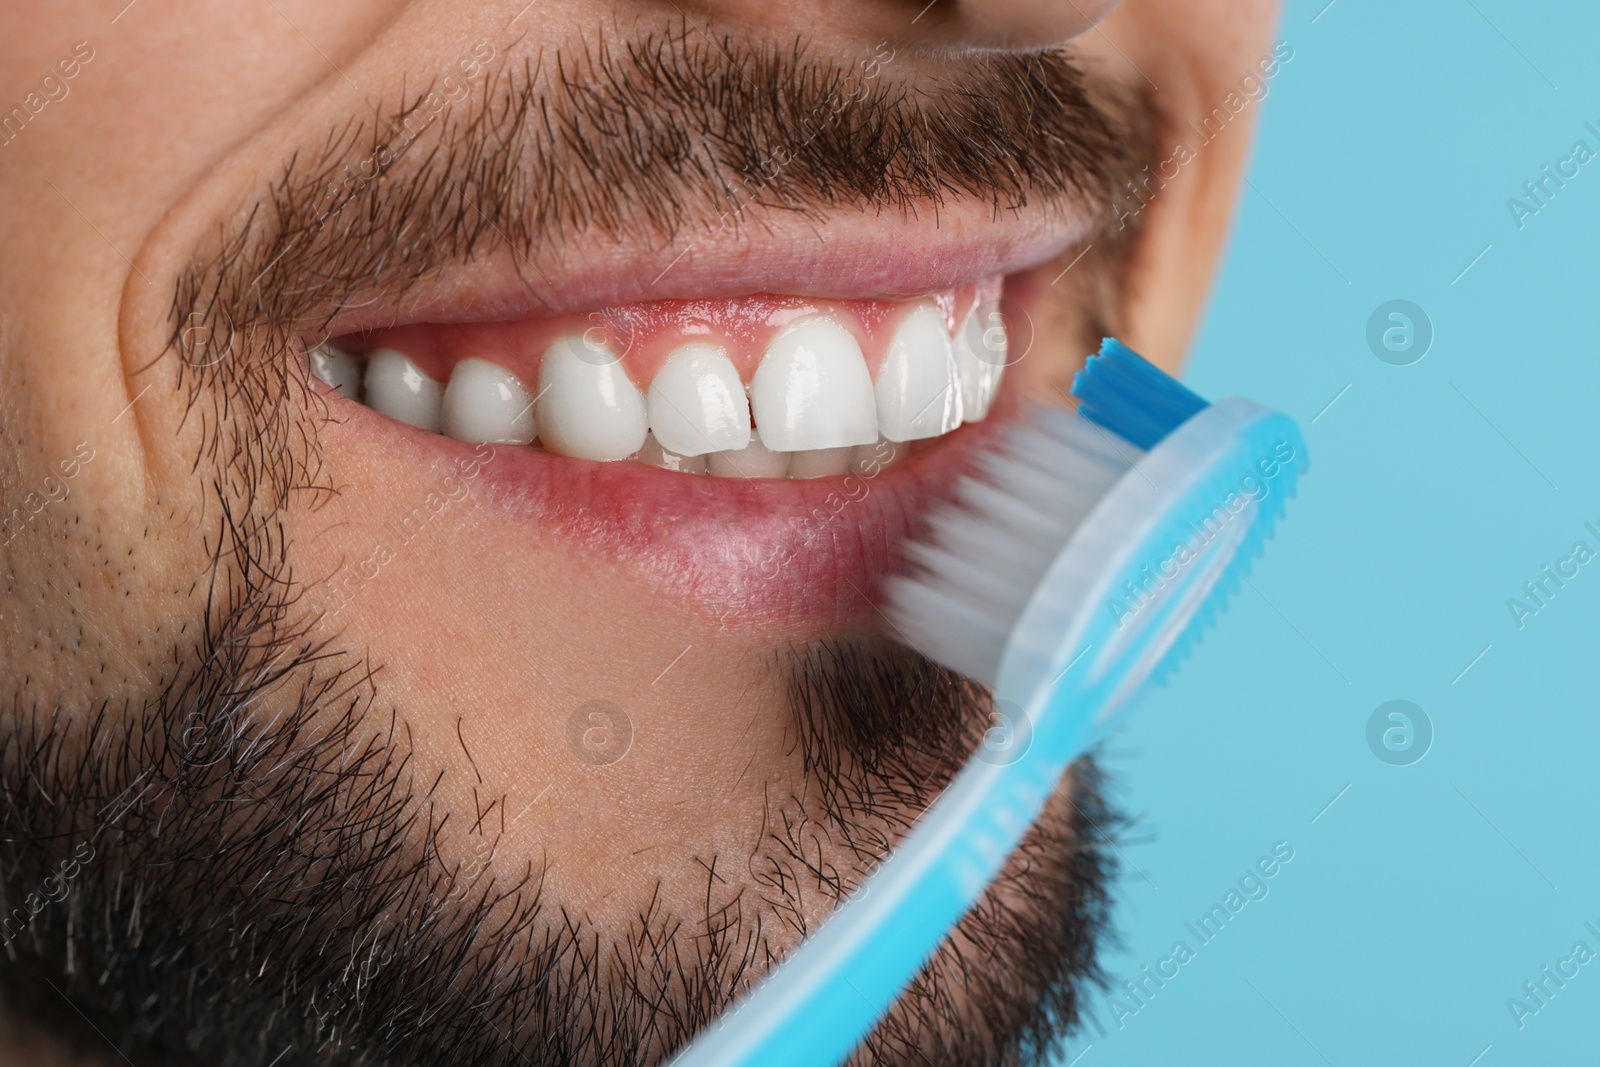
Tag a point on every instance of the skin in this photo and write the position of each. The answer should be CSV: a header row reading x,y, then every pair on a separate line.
x,y
109,194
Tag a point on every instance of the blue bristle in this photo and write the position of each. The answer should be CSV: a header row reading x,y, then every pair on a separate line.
x,y
1130,396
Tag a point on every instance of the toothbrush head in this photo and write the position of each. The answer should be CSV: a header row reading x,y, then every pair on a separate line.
x,y
1104,539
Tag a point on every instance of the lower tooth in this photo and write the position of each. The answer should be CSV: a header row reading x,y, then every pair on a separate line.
x,y
870,459
821,462
652,454
755,460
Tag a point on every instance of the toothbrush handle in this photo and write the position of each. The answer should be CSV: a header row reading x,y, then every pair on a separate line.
x,y
818,1004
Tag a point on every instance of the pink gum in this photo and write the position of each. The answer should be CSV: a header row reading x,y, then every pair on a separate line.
x,y
645,334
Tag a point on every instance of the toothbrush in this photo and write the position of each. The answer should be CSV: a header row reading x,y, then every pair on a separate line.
x,y
1086,556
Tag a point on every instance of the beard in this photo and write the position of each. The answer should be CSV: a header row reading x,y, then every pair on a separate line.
x,y
206,883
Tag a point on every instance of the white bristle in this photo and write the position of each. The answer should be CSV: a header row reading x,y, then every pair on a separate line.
x,y
1084,436
986,551
968,541
1017,514
975,580
1043,489
1033,453
968,641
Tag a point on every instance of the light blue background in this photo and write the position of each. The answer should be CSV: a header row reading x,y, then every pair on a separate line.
x,y
1425,897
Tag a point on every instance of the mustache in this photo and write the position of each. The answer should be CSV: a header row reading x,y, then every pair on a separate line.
x,y
647,138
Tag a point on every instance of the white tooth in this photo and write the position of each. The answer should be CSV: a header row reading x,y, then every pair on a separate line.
x,y
812,389
870,459
820,462
918,390
396,387
697,402
337,368
653,454
588,407
484,402
980,349
754,460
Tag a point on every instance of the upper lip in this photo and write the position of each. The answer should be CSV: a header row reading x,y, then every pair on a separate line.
x,y
841,256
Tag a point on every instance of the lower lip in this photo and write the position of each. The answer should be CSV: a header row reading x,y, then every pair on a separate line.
x,y
791,556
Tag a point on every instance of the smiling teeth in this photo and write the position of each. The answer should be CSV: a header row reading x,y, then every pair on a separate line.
x,y
396,387
918,393
754,460
697,402
980,349
337,368
813,390
588,406
820,462
652,454
486,403
811,409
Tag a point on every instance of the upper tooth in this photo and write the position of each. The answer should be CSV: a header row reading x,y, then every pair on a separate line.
x,y
697,402
918,391
980,350
588,407
812,389
484,402
338,368
396,387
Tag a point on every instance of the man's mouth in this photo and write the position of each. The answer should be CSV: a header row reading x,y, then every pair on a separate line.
x,y
761,457
739,382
